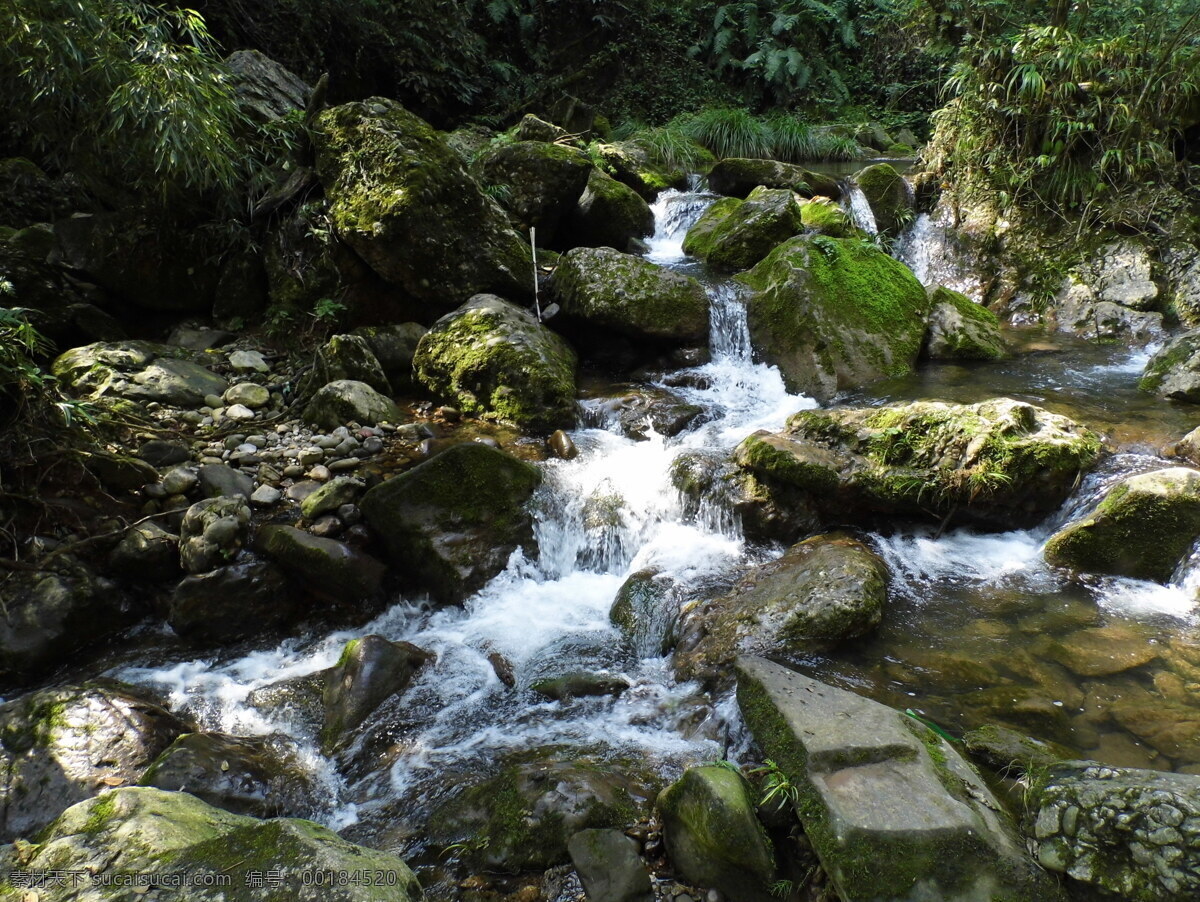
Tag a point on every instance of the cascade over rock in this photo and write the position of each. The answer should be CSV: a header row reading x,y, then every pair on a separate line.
x,y
736,236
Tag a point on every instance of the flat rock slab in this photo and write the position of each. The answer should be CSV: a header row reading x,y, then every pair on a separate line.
x,y
892,810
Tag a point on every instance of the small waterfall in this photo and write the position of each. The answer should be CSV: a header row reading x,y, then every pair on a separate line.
x,y
856,204
674,213
937,255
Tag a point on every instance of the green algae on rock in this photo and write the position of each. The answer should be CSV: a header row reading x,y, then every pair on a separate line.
x,y
834,314
960,329
631,296
608,214
1143,527
736,235
542,183
491,358
889,196
1174,370
827,218
173,839
737,177
1000,462
400,197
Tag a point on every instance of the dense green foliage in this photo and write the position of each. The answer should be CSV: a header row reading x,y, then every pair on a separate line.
x,y
1067,107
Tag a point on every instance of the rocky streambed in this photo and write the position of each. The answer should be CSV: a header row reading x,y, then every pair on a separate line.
x,y
836,589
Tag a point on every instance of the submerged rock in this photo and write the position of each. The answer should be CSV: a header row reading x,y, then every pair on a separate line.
x,y
494,359
1000,462
960,329
172,839
834,314
713,836
258,776
738,177
631,296
1125,832
824,590
61,746
452,522
645,612
640,409
889,806
400,197
736,236
1143,527
1174,371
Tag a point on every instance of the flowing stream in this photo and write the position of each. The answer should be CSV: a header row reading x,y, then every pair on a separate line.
x,y
970,612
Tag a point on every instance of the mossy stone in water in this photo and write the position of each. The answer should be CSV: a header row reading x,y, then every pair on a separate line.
x,y
369,671
541,182
834,314
737,236
889,197
824,216
451,523
401,198
713,836
493,359
1144,526
1174,371
960,329
608,214
325,567
173,836
348,401
737,177
630,296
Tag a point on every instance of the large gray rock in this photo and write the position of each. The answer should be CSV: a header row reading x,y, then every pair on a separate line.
x,y
1174,371
824,590
325,568
713,835
1114,295
609,867
50,616
400,197
491,358
1125,832
394,346
890,807
172,839
147,553
369,671
259,776
452,522
1000,462
628,295
346,401
265,90
238,601
138,370
61,746
834,314
1143,527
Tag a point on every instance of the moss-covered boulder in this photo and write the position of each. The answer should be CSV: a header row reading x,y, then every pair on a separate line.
x,y
889,196
834,314
491,358
52,615
61,746
400,197
630,296
1143,527
213,532
736,236
139,371
1002,463
609,866
1174,371
451,523
369,671
822,591
139,836
260,776
825,217
325,568
540,184
349,357
737,177
960,329
531,128
348,401
522,818
713,836
631,165
608,214
890,807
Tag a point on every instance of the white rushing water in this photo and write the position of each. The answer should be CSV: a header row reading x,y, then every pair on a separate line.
x,y
609,513
859,208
